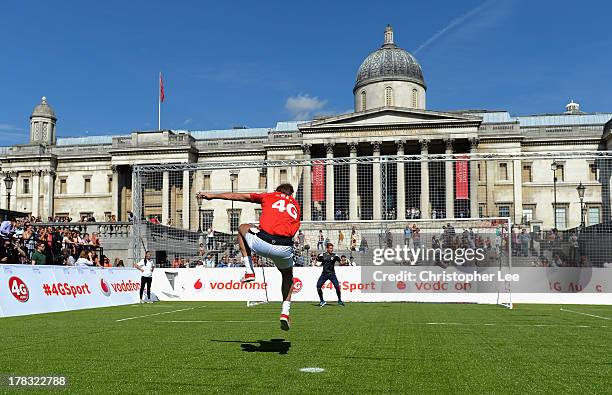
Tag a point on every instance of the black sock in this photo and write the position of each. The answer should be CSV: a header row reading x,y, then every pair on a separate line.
x,y
320,291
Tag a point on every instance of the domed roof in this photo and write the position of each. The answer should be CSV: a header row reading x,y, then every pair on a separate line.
x,y
389,63
43,110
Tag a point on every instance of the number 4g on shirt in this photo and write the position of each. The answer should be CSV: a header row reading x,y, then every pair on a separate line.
x,y
280,213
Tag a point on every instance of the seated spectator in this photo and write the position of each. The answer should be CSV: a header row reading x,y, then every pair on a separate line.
x,y
120,263
83,260
201,250
176,263
7,253
210,262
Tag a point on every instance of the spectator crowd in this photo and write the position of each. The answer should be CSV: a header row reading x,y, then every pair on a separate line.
x,y
25,242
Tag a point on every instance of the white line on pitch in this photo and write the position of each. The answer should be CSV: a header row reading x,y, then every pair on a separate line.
x,y
151,315
590,315
513,325
213,321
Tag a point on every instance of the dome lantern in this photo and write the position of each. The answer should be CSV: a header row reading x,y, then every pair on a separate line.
x,y
42,124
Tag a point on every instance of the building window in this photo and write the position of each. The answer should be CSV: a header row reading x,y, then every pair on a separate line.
x,y
206,219
85,216
262,180
415,98
593,216
528,214
234,219
561,217
63,186
560,172
87,188
481,210
363,101
207,182
592,172
107,216
388,96
110,184
63,217
503,171
504,211
527,175
26,186
283,176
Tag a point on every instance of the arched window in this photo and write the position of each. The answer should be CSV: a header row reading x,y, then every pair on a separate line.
x,y
363,101
388,96
415,98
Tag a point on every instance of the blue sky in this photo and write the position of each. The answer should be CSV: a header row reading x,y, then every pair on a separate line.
x,y
255,63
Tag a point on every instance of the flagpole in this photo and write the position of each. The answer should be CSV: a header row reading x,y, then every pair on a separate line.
x,y
159,103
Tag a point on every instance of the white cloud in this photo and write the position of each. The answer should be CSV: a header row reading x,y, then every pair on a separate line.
x,y
188,121
10,131
303,106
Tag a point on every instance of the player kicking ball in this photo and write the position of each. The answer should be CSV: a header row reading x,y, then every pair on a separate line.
x,y
273,239
328,260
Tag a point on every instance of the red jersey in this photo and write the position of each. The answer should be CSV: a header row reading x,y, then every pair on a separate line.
x,y
280,213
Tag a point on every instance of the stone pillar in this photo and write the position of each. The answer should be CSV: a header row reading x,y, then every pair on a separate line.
x,y
425,204
35,192
474,180
518,190
401,183
449,176
376,183
49,198
115,192
165,214
329,185
353,197
186,199
307,185
490,197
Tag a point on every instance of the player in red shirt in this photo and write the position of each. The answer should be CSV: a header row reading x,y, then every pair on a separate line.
x,y
273,239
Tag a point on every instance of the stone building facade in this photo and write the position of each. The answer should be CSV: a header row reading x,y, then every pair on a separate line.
x,y
82,176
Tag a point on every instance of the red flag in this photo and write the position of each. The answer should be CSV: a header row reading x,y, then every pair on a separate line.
x,y
318,181
161,88
461,178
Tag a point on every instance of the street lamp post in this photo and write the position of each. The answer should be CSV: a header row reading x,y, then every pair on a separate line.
x,y
8,183
200,198
554,167
581,189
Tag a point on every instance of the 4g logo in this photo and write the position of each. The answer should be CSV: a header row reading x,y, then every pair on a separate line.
x,y
19,289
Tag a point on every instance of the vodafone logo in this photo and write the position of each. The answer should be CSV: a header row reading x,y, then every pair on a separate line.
x,y
401,285
104,287
297,285
198,285
19,289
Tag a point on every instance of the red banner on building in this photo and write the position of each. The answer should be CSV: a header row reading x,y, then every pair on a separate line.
x,y
318,181
461,179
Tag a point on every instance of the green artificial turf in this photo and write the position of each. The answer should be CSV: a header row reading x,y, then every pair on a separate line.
x,y
364,348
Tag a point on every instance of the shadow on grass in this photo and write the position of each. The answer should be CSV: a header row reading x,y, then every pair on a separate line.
x,y
279,346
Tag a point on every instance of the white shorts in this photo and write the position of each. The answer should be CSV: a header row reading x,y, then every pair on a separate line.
x,y
282,256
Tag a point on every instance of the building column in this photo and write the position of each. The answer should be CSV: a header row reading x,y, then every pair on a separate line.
x,y
165,197
329,184
115,192
186,199
425,204
517,166
49,198
353,197
307,185
449,175
36,192
474,180
376,183
401,183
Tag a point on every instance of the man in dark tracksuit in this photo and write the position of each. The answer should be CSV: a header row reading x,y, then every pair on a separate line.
x,y
328,260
